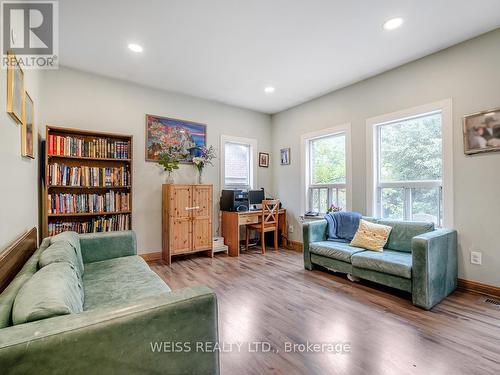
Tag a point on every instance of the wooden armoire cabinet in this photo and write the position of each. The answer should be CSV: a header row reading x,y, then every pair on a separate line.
x,y
186,220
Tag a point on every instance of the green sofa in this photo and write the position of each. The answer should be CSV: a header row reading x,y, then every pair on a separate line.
x,y
417,258
130,321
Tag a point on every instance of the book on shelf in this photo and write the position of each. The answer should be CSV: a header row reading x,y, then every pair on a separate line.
x,y
109,223
90,148
63,175
111,201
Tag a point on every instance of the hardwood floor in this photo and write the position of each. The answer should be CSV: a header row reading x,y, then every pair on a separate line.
x,y
271,298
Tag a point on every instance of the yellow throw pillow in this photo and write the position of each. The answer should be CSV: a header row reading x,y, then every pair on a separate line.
x,y
371,236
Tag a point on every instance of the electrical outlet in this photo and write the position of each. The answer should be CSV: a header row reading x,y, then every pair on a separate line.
x,y
290,228
476,257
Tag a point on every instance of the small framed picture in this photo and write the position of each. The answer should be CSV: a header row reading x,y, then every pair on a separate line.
x,y
28,126
482,132
285,156
263,159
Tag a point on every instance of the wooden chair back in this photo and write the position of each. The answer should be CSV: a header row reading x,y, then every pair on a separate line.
x,y
270,212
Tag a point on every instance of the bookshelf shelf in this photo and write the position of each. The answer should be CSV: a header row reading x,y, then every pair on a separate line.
x,y
88,187
88,158
76,156
90,214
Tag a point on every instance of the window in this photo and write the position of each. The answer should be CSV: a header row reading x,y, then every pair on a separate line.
x,y
237,158
408,166
326,169
237,166
410,169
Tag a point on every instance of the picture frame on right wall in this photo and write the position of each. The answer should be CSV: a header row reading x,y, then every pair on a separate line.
x,y
482,132
285,156
263,159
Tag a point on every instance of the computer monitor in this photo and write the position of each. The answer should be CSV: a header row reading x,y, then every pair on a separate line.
x,y
256,197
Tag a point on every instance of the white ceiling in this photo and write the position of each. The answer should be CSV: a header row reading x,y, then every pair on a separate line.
x,y
229,50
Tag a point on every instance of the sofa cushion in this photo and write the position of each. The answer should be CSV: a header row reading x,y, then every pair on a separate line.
x,y
396,263
61,251
403,232
74,240
371,236
8,296
54,290
120,280
335,250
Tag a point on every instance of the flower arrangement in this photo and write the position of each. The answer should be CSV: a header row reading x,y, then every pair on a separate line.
x,y
204,157
334,208
169,160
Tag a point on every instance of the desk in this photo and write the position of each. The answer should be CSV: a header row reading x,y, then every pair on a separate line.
x,y
231,221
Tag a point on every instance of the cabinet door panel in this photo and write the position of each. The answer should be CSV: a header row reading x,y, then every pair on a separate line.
x,y
181,219
202,217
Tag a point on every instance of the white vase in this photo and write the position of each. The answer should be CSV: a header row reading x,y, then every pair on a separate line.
x,y
200,176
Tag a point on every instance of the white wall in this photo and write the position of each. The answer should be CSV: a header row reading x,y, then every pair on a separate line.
x,y
18,175
469,73
77,99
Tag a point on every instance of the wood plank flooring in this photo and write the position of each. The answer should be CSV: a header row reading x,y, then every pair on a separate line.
x,y
271,298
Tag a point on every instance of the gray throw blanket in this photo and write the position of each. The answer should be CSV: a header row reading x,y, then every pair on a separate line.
x,y
342,225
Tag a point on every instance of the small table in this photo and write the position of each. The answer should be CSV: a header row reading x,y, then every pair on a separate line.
x,y
231,222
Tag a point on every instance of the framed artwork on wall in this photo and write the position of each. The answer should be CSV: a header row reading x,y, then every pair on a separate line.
x,y
15,89
162,132
263,159
27,128
482,132
285,156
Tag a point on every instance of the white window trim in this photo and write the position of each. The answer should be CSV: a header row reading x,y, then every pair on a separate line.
x,y
253,157
305,162
445,106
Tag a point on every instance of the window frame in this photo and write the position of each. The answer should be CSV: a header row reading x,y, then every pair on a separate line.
x,y
375,186
252,143
306,166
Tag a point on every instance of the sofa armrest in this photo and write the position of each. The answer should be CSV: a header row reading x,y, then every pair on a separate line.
x,y
312,231
154,335
101,246
434,267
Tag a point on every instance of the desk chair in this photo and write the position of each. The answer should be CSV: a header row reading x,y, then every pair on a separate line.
x,y
268,223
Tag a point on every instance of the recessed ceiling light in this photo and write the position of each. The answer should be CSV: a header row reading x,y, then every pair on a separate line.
x,y
393,23
269,89
135,47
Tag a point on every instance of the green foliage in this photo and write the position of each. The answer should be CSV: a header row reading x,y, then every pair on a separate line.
x,y
170,158
411,150
328,156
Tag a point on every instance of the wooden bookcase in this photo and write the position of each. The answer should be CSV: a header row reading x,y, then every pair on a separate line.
x,y
114,156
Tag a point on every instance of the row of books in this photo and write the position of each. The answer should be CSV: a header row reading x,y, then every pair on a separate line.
x,y
77,203
102,224
92,148
63,175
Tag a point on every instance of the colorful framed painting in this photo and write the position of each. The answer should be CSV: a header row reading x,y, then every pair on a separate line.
x,y
162,132
285,156
263,159
482,132
15,89
28,128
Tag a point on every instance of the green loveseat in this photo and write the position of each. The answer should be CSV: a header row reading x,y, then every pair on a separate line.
x,y
131,323
417,258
